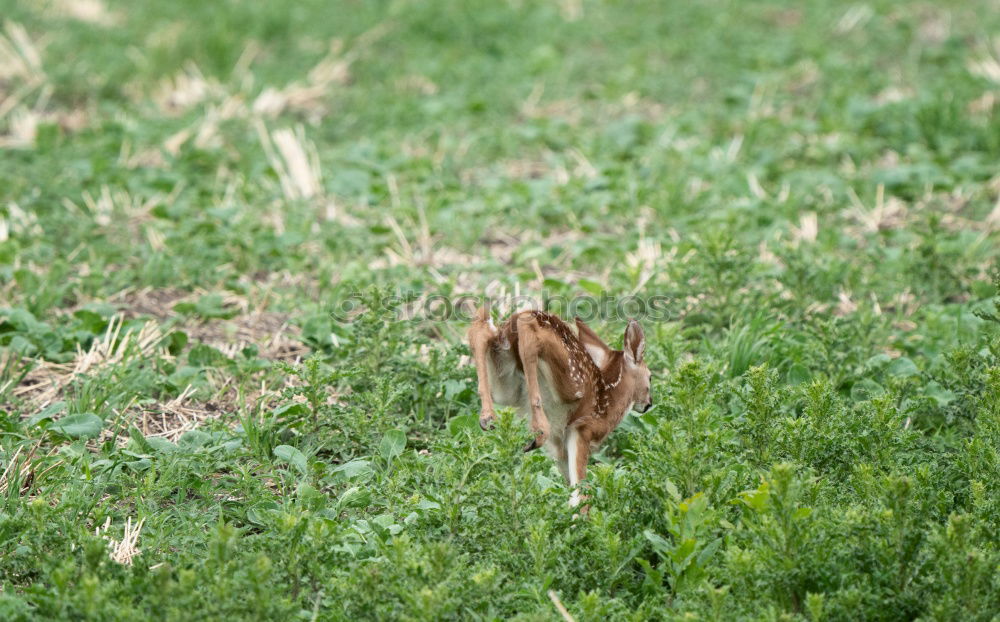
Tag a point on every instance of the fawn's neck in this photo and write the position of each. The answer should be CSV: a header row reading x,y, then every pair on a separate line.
x,y
612,390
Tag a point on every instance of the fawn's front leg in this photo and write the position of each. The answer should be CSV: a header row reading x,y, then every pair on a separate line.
x,y
578,453
562,458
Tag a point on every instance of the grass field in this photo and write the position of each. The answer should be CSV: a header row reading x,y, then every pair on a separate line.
x,y
230,387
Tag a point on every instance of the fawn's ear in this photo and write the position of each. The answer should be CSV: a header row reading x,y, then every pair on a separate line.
x,y
635,343
597,349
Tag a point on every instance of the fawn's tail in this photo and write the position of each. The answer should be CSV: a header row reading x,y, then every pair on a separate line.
x,y
482,314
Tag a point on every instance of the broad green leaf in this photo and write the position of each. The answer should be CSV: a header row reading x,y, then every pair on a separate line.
x,y
866,389
592,287
355,469
260,513
293,457
392,444
707,552
82,425
354,498
46,413
554,284
387,522
983,289
427,504
176,341
453,388
203,355
903,368
756,499
942,396
308,494
90,321
292,409
660,545
672,490
694,505
139,465
653,580
681,555
161,445
878,361
194,438
463,422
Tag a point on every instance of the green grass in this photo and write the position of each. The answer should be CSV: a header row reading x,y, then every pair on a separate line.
x,y
812,187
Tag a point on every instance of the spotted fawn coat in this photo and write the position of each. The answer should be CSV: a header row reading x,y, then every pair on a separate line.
x,y
572,387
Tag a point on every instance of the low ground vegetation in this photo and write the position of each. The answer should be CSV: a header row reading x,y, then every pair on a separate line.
x,y
222,397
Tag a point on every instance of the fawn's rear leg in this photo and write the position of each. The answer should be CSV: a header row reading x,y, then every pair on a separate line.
x,y
528,346
480,335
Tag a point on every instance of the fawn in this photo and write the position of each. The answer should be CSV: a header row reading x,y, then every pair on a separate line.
x,y
573,388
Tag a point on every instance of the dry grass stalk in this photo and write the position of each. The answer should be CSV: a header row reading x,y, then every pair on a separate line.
x,y
89,11
295,160
845,306
571,10
49,380
307,97
188,88
19,57
418,84
142,158
23,223
985,104
112,351
988,64
855,17
23,121
172,419
569,110
17,470
807,230
887,213
405,253
104,206
560,607
156,302
26,474
993,219
124,550
423,251
22,129
644,261
271,331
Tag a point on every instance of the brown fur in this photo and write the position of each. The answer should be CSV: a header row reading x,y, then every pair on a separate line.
x,y
534,355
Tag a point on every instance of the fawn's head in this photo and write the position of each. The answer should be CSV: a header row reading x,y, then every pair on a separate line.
x,y
635,374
